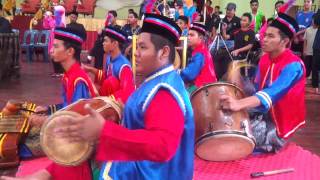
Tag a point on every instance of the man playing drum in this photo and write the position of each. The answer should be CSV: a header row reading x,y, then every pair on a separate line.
x,y
280,82
117,77
200,70
76,85
156,140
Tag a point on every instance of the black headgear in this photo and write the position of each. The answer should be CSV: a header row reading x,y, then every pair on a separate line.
x,y
199,28
162,26
69,34
115,33
286,24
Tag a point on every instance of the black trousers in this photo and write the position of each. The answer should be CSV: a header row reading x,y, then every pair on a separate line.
x,y
315,68
308,64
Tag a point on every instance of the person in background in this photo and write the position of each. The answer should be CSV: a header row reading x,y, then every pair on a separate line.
x,y
5,26
217,10
316,55
111,19
209,8
132,28
304,20
183,23
96,54
190,9
243,38
309,37
178,5
258,18
231,24
73,16
304,17
60,21
277,7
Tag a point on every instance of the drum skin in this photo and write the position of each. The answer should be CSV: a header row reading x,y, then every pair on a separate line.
x,y
220,135
60,150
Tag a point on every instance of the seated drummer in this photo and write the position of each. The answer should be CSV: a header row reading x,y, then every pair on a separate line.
x,y
76,85
156,140
117,77
200,69
280,83
75,82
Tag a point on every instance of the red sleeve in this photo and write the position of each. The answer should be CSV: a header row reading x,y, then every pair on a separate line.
x,y
126,85
99,77
59,172
158,141
285,7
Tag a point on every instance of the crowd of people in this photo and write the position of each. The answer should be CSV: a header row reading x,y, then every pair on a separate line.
x,y
156,137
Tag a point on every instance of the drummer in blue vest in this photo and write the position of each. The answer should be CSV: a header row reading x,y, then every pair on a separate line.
x,y
156,138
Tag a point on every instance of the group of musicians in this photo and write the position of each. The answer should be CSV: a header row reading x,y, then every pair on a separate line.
x,y
156,137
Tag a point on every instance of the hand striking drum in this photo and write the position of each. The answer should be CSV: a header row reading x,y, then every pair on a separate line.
x,y
66,153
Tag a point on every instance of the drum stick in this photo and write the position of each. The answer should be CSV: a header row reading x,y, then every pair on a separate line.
x,y
268,173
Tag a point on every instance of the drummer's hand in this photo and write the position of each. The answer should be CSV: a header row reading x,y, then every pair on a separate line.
x,y
41,109
235,53
87,128
229,103
37,120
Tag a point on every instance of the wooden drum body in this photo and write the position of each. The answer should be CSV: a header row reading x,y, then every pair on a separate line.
x,y
220,135
61,150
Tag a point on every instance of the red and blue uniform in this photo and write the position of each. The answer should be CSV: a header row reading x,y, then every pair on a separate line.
x,y
281,85
200,70
116,79
76,85
156,140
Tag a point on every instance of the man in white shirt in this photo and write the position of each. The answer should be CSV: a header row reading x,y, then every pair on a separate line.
x,y
307,47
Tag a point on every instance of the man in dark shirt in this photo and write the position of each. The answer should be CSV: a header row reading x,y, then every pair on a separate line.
x,y
130,29
113,19
231,22
243,38
5,26
73,16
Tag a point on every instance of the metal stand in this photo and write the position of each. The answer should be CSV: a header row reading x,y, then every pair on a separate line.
x,y
216,42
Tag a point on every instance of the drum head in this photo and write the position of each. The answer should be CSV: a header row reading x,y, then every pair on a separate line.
x,y
59,149
224,146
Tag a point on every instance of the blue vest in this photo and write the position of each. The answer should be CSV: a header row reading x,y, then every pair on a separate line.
x,y
180,167
117,64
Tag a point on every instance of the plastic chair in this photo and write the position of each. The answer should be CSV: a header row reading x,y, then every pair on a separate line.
x,y
28,43
42,44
